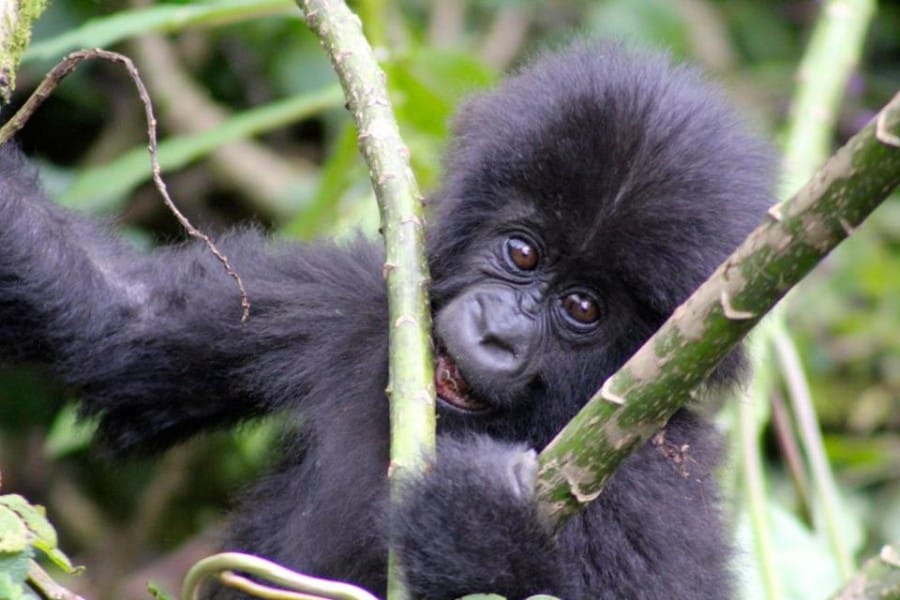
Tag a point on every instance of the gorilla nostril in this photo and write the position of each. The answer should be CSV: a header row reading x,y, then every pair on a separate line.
x,y
495,341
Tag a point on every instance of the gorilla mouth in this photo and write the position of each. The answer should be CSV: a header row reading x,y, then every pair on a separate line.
x,y
452,388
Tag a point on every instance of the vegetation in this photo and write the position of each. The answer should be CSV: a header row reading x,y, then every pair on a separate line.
x,y
229,69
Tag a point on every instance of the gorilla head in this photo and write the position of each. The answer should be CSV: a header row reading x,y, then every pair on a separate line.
x,y
584,200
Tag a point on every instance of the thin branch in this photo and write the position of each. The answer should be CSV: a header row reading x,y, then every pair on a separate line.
x,y
46,87
637,400
41,93
755,485
808,426
790,452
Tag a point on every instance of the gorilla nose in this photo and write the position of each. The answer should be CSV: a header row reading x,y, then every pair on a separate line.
x,y
488,335
496,355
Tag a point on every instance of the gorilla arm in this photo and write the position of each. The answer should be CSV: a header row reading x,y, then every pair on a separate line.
x,y
154,342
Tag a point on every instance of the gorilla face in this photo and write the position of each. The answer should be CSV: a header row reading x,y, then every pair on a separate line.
x,y
493,330
530,318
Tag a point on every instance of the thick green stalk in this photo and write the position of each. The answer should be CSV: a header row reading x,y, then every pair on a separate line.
x,y
411,387
638,400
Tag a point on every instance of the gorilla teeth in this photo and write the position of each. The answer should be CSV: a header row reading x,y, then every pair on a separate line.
x,y
452,387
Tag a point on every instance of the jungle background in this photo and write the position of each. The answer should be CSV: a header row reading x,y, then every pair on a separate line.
x,y
254,129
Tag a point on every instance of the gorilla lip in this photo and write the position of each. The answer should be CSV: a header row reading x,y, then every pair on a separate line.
x,y
452,388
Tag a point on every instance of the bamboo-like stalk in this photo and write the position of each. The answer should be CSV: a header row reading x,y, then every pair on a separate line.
x,y
411,388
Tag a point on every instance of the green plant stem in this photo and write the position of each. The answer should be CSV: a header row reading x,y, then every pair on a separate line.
x,y
831,55
755,484
808,426
638,400
411,386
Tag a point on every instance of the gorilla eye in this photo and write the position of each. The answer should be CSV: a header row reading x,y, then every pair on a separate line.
x,y
521,253
582,308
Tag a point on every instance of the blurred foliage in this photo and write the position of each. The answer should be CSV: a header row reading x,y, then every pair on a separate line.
x,y
149,519
25,534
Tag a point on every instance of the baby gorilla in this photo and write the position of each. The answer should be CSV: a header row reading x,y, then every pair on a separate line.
x,y
583,200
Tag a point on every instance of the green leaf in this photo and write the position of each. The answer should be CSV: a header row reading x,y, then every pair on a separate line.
x,y
12,590
59,558
35,519
36,531
103,188
13,533
102,32
425,87
68,434
13,569
427,84
343,168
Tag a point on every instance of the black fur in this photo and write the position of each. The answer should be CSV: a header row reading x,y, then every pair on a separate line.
x,y
637,181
